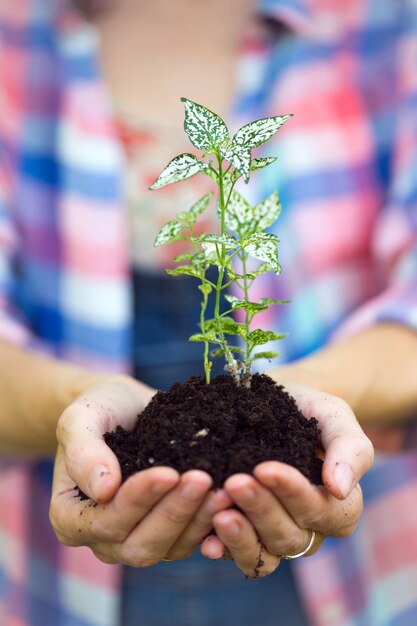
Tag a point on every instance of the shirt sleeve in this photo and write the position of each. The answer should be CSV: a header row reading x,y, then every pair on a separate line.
x,y
13,327
394,245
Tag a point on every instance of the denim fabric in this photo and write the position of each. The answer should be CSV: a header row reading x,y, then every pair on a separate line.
x,y
195,592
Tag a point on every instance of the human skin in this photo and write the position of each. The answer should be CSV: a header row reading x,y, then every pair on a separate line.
x,y
158,514
373,372
135,525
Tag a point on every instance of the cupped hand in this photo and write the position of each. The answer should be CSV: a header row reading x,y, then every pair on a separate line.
x,y
155,514
278,507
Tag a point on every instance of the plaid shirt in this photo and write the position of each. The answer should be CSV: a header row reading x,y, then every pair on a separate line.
x,y
348,71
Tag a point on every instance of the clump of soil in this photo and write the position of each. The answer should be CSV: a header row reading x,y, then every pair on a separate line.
x,y
222,428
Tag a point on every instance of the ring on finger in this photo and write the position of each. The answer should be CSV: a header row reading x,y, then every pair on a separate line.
x,y
290,557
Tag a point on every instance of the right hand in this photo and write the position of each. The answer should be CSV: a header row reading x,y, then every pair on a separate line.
x,y
154,513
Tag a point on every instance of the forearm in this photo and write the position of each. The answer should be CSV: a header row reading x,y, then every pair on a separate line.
x,y
34,390
374,371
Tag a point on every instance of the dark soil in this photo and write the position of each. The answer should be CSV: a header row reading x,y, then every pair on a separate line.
x,y
221,428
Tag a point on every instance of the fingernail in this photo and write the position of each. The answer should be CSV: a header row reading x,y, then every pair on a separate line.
x,y
191,491
233,530
248,495
344,478
96,480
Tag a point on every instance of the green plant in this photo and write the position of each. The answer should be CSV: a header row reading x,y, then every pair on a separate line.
x,y
242,235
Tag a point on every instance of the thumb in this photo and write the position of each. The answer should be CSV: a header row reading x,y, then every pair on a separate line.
x,y
89,462
349,453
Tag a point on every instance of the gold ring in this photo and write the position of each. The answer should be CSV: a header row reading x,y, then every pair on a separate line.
x,y
167,560
290,557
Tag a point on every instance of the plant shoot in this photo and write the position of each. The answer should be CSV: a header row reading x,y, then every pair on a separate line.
x,y
241,250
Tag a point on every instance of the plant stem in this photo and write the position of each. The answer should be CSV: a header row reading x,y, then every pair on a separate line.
x,y
248,317
203,308
222,206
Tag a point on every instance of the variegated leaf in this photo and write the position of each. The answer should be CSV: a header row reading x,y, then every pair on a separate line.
x,y
265,355
244,304
228,325
258,336
225,240
179,168
183,257
259,163
200,206
211,253
251,307
262,269
169,232
238,214
205,129
234,276
267,211
240,158
187,270
258,238
198,259
258,132
266,251
206,337
269,301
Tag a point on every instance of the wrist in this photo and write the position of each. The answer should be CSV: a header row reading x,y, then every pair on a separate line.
x,y
372,371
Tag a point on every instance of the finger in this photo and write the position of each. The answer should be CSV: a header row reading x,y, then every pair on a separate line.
x,y
310,506
200,526
348,456
240,538
277,530
83,523
152,539
213,548
348,451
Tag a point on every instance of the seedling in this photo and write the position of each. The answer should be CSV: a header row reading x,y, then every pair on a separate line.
x,y
241,251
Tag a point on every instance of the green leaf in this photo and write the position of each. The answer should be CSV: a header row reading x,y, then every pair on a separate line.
x,y
266,251
179,168
258,336
206,337
169,232
258,132
238,213
259,163
187,270
205,129
265,355
267,211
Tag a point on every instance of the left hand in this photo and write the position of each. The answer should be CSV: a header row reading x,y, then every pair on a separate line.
x,y
278,506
